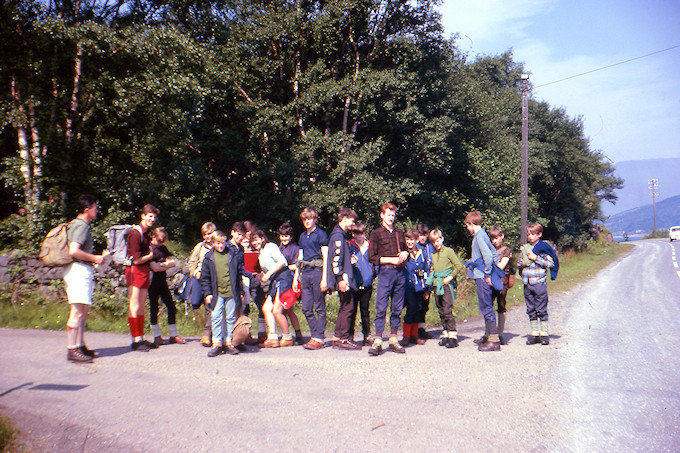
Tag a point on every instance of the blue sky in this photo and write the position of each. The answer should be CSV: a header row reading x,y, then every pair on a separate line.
x,y
630,111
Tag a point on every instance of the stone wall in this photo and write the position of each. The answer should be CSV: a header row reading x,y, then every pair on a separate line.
x,y
18,268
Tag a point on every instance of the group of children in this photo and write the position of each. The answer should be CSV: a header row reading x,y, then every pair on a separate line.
x,y
228,273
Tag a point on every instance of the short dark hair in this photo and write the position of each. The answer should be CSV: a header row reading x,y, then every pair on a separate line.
x,y
359,228
260,234
149,208
347,213
161,234
495,232
286,229
238,227
411,233
86,201
475,218
423,230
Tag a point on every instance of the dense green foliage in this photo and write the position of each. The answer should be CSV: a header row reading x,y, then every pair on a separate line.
x,y
233,109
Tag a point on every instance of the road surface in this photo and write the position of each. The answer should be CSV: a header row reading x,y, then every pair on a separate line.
x,y
607,382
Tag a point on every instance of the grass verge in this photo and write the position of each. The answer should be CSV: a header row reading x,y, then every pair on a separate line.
x,y
7,434
24,308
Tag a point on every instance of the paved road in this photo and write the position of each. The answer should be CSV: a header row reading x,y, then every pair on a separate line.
x,y
607,382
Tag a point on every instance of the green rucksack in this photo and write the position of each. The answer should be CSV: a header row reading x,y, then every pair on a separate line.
x,y
54,249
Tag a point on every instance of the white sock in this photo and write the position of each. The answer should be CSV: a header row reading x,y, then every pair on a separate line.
x,y
155,328
286,336
453,334
173,330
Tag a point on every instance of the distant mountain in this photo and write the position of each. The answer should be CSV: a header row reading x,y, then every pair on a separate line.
x,y
636,174
642,219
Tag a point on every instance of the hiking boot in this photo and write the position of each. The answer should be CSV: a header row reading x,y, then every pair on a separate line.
x,y
480,340
533,339
159,341
502,340
177,340
452,343
490,346
206,342
376,348
313,345
151,344
141,346
348,345
443,341
76,355
424,334
87,351
405,341
396,347
231,350
215,351
545,340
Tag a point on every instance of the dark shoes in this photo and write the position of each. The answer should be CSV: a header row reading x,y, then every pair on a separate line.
x,y
241,348
405,341
424,334
217,350
452,343
87,351
231,350
490,346
531,339
503,342
159,341
545,341
76,355
417,340
480,340
151,345
141,346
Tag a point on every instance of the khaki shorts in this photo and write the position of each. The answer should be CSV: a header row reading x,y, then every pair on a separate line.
x,y
79,283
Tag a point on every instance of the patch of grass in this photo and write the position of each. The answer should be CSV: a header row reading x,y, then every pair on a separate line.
x,y
7,434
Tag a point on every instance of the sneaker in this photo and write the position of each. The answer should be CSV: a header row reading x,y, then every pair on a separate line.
x,y
396,347
206,342
231,350
545,340
376,348
141,346
159,341
76,355
176,340
87,351
215,351
284,343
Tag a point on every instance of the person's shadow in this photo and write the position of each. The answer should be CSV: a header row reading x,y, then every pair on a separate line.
x,y
113,352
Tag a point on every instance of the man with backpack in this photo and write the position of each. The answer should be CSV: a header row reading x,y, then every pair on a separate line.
x,y
79,278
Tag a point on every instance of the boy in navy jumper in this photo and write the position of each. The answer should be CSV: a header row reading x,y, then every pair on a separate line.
x,y
415,270
428,251
364,273
340,276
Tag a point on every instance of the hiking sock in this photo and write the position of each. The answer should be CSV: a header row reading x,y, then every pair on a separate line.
x,y
261,327
453,334
286,336
501,323
140,326
172,330
156,329
273,336
534,328
408,330
132,323
445,334
544,328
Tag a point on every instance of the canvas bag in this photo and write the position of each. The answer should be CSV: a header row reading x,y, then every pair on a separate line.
x,y
54,249
116,242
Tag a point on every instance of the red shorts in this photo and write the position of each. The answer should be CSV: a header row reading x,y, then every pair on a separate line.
x,y
137,276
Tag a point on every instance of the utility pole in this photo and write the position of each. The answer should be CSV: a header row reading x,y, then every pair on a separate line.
x,y
524,201
654,192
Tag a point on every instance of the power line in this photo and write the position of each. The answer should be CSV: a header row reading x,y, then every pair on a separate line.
x,y
609,66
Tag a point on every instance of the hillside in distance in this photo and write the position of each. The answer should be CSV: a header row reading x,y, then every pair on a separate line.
x,y
642,218
636,174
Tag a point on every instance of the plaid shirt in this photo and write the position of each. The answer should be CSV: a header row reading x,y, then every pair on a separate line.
x,y
537,271
384,243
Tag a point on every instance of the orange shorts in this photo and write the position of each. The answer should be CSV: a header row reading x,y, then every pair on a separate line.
x,y
137,276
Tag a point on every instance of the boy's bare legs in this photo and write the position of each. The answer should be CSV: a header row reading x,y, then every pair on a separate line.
x,y
286,337
272,337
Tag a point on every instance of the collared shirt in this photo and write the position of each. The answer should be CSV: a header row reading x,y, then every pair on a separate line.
x,y
537,271
311,243
385,243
